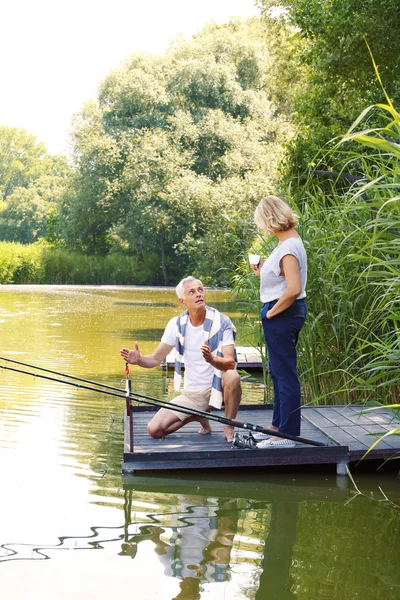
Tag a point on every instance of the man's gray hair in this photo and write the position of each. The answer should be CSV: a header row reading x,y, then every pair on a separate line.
x,y
180,288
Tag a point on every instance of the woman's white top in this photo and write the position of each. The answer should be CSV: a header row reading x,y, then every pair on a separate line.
x,y
272,282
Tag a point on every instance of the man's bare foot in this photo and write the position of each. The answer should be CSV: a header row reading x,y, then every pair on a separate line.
x,y
205,426
228,433
205,430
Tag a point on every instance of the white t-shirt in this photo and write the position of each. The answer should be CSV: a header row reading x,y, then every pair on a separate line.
x,y
272,282
198,374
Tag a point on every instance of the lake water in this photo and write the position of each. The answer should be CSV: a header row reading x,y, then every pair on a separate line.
x,y
71,526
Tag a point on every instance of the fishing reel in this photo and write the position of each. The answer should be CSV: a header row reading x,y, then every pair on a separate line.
x,y
244,441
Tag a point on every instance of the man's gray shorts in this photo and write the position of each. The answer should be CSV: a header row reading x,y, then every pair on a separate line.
x,y
196,400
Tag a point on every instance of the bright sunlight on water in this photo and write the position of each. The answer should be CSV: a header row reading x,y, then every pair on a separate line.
x,y
71,526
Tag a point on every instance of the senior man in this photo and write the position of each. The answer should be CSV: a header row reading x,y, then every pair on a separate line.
x,y
205,338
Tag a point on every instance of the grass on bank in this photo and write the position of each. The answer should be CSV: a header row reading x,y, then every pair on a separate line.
x,y
43,264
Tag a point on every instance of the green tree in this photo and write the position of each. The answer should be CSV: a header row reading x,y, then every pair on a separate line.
x,y
88,206
155,217
29,211
24,217
22,159
168,141
334,66
134,96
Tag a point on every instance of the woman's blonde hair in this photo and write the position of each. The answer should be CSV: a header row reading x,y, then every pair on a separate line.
x,y
273,215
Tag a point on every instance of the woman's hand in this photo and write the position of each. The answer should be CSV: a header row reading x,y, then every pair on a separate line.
x,y
290,270
257,268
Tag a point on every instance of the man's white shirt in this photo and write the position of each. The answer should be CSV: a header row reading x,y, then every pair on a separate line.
x,y
198,373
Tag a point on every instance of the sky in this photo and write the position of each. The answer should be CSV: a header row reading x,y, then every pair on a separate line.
x,y
54,53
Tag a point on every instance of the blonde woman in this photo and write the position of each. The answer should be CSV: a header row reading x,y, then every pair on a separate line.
x,y
283,278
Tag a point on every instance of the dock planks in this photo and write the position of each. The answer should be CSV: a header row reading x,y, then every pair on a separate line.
x,y
347,432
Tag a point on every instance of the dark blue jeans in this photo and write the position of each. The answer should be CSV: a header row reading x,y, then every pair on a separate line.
x,y
281,334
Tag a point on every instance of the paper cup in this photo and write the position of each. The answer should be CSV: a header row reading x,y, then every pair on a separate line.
x,y
254,259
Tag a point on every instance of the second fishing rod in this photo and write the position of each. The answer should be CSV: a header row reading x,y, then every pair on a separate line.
x,y
111,391
100,387
141,398
103,387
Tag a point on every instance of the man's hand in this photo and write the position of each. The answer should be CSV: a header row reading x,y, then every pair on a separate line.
x,y
149,361
206,352
131,356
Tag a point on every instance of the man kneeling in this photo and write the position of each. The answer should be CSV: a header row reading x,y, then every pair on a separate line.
x,y
206,339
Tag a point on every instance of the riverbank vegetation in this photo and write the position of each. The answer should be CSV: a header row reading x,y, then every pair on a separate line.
x,y
167,166
349,349
41,263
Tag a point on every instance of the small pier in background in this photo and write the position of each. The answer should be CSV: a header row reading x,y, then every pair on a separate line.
x,y
347,432
249,359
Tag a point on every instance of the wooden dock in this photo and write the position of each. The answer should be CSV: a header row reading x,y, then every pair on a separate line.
x,y
347,432
249,359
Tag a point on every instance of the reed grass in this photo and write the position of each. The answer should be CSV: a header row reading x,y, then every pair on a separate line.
x,y
62,267
20,263
349,348
43,264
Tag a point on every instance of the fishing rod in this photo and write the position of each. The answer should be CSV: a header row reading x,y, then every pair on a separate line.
x,y
17,362
135,396
117,392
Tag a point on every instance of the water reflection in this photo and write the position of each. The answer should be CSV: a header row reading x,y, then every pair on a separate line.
x,y
259,537
100,537
153,304
276,581
266,539
139,335
197,546
64,508
215,531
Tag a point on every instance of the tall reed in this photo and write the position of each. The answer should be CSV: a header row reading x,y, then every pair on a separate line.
x,y
40,263
20,263
349,348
